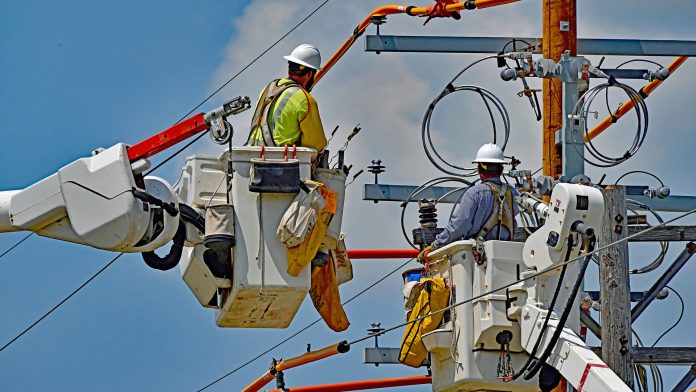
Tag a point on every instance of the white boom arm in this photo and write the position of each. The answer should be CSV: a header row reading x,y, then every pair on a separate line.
x,y
581,367
92,202
574,211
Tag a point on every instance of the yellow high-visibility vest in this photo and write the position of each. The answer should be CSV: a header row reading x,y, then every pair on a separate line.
x,y
292,117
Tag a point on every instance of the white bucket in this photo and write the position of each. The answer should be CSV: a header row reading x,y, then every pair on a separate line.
x,y
263,294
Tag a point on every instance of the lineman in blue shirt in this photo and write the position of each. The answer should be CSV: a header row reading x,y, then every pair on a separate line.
x,y
487,210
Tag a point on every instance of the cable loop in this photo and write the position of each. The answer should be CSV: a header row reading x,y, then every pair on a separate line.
x,y
489,99
583,109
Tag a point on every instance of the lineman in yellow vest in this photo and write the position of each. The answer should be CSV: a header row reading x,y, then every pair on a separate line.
x,y
285,113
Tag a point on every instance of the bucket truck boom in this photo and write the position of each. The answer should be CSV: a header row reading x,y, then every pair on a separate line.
x,y
103,201
521,321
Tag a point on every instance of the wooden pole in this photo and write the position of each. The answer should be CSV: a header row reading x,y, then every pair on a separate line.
x,y
615,287
560,34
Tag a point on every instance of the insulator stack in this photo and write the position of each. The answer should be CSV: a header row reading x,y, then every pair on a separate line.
x,y
427,212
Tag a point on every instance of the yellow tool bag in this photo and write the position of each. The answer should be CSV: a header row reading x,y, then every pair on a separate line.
x,y
301,255
434,296
326,298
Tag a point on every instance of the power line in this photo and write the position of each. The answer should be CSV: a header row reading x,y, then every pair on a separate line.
x,y
62,302
256,58
16,244
179,151
679,319
247,363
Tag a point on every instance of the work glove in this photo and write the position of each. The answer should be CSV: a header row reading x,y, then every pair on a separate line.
x,y
423,255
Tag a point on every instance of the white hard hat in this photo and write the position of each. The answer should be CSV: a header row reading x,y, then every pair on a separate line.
x,y
489,153
307,55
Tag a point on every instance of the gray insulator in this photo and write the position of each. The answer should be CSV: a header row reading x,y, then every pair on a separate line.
x,y
427,212
508,74
661,74
663,192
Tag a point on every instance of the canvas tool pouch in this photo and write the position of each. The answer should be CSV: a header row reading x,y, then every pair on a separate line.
x,y
326,298
301,216
301,255
274,176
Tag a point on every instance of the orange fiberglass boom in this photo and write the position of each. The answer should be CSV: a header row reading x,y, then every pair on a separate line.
x,y
441,8
363,385
308,357
626,107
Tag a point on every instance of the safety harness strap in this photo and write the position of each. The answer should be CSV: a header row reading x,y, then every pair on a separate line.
x,y
268,97
502,214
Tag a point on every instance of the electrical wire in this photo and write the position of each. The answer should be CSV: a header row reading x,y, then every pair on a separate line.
x,y
679,319
32,325
581,110
256,59
655,373
552,305
177,152
424,186
514,47
564,316
639,61
16,244
664,245
488,99
247,363
639,171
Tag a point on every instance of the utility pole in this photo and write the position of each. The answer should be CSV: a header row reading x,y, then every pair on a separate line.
x,y
559,34
615,286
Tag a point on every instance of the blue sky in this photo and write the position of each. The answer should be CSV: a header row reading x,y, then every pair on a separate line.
x,y
77,75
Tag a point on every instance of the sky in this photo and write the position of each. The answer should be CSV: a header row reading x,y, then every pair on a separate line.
x,y
77,75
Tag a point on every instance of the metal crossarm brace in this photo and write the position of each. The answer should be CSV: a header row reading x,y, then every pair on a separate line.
x,y
664,280
687,380
586,46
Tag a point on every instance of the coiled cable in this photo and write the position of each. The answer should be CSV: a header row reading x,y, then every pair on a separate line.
x,y
490,100
424,186
632,205
582,109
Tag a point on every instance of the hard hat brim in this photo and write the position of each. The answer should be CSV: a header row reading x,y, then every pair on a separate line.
x,y
491,160
298,61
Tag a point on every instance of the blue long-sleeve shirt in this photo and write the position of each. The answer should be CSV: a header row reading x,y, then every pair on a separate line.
x,y
471,213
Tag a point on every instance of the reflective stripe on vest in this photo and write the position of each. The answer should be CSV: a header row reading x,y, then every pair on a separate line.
x,y
260,120
281,105
502,213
